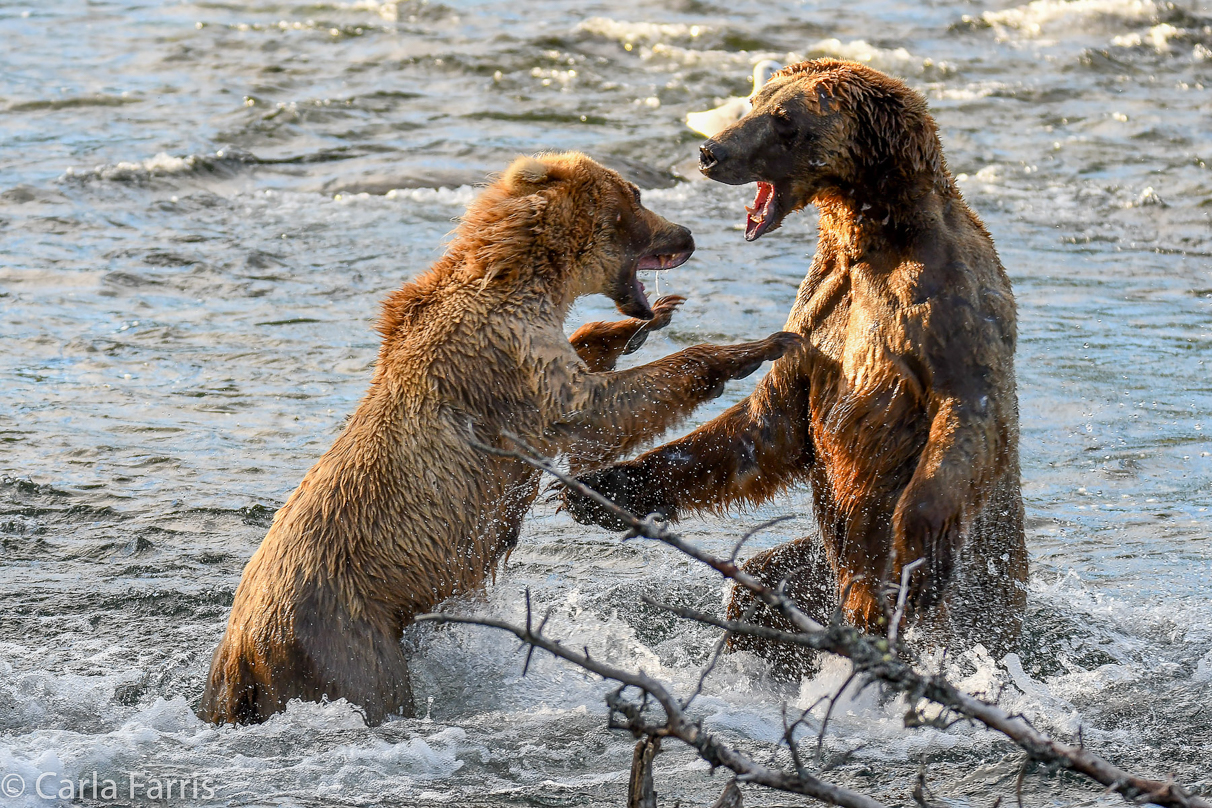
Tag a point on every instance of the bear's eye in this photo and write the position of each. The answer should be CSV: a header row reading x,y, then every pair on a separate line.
x,y
635,194
784,127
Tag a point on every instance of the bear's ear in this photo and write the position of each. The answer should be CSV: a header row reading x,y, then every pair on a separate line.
x,y
525,175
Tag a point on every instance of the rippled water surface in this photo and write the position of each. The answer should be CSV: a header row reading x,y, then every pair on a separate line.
x,y
201,205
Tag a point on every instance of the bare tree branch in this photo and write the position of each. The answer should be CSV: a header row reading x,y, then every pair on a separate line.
x,y
676,723
655,527
820,736
749,534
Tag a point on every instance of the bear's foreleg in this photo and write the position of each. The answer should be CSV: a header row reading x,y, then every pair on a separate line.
x,y
951,484
610,413
746,454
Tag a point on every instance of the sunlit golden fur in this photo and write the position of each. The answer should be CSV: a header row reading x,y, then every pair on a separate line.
x,y
404,511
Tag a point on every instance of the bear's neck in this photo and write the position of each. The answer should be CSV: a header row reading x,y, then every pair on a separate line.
x,y
862,223
536,279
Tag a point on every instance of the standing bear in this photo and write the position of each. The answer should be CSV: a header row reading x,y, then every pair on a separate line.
x,y
405,510
901,409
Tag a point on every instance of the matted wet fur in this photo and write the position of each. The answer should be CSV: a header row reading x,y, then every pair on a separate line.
x,y
902,413
403,511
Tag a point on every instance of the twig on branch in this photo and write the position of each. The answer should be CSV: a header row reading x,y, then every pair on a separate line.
x,y
820,736
920,790
901,597
873,658
749,534
789,733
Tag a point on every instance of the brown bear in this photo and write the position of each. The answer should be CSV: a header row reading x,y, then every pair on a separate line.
x,y
901,410
404,510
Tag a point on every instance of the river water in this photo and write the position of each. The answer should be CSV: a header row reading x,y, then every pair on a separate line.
x,y
202,204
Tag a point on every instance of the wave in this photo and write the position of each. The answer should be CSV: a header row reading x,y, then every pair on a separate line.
x,y
632,32
1034,18
223,161
892,60
71,102
1166,40
676,41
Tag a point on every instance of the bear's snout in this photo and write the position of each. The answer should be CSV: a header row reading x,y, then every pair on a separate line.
x,y
681,242
729,159
711,154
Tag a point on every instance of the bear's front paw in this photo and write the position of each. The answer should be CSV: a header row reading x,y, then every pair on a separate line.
x,y
780,343
662,315
766,350
923,530
662,311
619,484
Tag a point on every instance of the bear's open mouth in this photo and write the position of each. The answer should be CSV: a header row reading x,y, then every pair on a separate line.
x,y
634,300
763,214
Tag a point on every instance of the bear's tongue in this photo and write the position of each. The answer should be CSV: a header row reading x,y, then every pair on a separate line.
x,y
761,212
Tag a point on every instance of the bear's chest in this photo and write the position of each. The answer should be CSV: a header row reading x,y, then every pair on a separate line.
x,y
867,402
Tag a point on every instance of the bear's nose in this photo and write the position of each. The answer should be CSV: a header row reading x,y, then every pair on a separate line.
x,y
711,154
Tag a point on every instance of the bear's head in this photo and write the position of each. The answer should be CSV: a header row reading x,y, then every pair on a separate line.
x,y
575,226
826,130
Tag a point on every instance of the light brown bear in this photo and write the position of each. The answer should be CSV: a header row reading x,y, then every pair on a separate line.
x,y
404,511
901,412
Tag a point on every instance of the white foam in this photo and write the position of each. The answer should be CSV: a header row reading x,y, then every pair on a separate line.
x,y
388,11
163,164
894,60
655,40
987,176
971,92
891,60
454,197
484,708
1157,37
1203,669
1033,18
633,32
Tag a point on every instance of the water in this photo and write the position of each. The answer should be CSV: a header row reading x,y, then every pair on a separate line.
x,y
201,205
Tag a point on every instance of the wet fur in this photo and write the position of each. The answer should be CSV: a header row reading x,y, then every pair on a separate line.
x,y
403,511
902,413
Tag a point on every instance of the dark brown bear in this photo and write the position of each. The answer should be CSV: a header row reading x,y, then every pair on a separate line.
x,y
901,411
405,510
